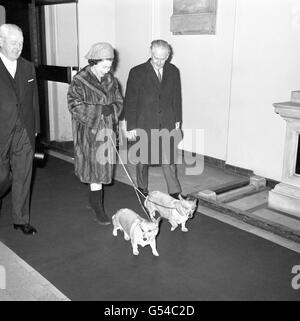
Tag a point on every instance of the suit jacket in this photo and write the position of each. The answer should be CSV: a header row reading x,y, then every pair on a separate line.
x,y
19,98
150,104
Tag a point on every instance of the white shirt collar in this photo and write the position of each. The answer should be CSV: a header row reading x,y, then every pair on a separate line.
x,y
11,66
156,70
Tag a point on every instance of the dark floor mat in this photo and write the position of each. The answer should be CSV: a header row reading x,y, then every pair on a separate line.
x,y
213,261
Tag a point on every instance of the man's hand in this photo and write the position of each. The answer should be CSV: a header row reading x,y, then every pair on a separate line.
x,y
131,134
177,125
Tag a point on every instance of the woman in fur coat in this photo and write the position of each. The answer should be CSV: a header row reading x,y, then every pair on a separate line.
x,y
95,103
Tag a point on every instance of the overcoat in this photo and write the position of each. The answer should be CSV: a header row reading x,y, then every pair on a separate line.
x,y
19,98
93,132
153,105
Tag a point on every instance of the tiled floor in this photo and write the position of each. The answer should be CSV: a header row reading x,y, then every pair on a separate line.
x,y
18,281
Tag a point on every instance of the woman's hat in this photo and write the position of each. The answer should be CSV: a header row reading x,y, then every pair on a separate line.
x,y
100,50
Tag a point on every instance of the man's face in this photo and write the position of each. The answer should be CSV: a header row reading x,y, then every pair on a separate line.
x,y
12,45
159,56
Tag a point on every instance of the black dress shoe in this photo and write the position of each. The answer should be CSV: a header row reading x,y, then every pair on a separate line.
x,y
101,221
175,195
25,228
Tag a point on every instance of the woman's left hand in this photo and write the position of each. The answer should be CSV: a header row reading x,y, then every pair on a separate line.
x,y
107,110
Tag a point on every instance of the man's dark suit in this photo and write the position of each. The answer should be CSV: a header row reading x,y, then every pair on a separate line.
x,y
19,119
150,104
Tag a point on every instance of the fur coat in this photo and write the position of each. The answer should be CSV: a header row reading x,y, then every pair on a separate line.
x,y
94,151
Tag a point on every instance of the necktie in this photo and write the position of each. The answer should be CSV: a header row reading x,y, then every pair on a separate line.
x,y
159,75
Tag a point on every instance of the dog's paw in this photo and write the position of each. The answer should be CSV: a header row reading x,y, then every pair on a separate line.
x,y
126,237
136,252
184,229
155,253
115,232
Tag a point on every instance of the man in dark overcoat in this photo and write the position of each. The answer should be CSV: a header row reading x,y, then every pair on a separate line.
x,y
19,119
153,104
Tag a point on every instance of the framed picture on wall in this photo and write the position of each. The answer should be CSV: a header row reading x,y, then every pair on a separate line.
x,y
193,17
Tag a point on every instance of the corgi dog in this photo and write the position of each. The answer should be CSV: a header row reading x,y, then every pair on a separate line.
x,y
137,229
175,211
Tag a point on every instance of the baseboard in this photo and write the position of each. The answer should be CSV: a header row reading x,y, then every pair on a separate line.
x,y
271,183
59,152
214,161
61,156
239,170
219,163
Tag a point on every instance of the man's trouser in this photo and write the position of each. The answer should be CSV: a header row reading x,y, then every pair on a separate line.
x,y
16,156
170,174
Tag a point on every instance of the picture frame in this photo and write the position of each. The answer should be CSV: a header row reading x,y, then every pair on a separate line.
x,y
194,17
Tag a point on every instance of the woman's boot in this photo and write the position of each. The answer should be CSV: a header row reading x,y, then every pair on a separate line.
x,y
96,203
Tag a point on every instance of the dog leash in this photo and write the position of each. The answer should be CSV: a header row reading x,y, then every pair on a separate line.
x,y
133,184
128,175
137,190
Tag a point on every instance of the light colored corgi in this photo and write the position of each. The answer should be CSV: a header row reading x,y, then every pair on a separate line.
x,y
175,211
137,229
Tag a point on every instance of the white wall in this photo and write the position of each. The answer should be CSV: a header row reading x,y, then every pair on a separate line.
x,y
2,15
205,65
96,23
266,69
133,34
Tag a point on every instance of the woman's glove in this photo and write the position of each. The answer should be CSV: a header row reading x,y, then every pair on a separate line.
x,y
107,110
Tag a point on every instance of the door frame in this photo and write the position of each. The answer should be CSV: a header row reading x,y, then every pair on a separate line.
x,y
38,57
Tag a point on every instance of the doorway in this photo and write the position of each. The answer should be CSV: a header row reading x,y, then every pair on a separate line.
x,y
46,24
